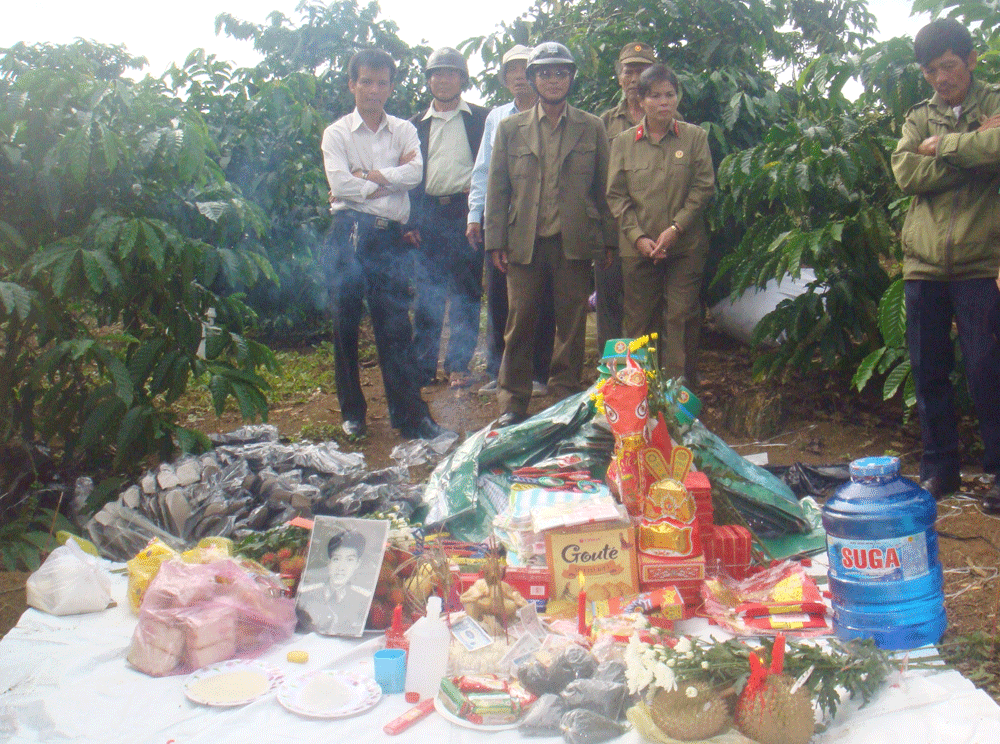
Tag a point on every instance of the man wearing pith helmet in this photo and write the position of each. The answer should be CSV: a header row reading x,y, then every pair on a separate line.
x,y
448,269
513,75
634,58
546,215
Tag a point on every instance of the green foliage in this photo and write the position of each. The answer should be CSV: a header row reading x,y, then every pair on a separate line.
x,y
28,536
725,52
892,359
814,194
299,376
118,227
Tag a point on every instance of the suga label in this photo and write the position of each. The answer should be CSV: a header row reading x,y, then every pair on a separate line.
x,y
892,559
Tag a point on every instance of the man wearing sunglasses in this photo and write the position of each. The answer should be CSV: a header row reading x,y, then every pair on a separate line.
x,y
546,216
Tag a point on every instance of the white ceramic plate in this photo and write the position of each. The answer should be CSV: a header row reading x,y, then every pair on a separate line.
x,y
329,693
231,683
449,716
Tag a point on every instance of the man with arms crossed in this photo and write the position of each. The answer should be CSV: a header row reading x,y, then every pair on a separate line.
x,y
372,160
949,160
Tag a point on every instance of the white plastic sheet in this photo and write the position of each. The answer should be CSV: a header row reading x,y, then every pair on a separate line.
x,y
66,679
738,317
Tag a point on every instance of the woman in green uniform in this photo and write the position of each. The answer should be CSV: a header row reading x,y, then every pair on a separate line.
x,y
660,179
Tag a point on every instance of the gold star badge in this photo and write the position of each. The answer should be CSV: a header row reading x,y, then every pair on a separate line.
x,y
638,47
679,154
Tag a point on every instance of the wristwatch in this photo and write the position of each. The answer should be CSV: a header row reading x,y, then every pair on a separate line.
x,y
364,174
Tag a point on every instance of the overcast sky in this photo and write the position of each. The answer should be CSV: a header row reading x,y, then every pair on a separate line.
x,y
166,32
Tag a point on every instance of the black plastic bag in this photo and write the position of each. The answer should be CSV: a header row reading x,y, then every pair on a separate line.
x,y
582,726
819,481
598,695
543,717
575,662
612,671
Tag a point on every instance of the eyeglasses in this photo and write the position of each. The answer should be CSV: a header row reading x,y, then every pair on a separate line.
x,y
560,73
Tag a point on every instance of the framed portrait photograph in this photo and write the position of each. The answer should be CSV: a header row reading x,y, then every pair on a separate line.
x,y
341,573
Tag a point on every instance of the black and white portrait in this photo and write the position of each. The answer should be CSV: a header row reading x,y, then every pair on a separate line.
x,y
345,556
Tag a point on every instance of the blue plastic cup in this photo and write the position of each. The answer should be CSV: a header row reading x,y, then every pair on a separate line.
x,y
390,670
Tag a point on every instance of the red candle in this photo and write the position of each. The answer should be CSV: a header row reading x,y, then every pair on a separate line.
x,y
581,607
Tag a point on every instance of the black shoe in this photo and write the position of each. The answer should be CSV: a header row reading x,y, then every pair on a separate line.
x,y
991,499
941,486
426,428
354,429
510,419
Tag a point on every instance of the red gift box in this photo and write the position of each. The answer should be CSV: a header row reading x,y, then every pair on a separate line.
x,y
531,581
728,550
656,570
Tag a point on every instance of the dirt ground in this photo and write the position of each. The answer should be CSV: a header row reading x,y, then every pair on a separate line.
x,y
812,419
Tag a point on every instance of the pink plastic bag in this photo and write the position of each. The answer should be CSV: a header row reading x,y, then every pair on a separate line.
x,y
198,614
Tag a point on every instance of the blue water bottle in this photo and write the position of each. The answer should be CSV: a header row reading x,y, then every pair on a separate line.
x,y
885,576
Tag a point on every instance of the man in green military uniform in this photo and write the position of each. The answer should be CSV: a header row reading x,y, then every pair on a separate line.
x,y
660,179
949,160
546,216
635,57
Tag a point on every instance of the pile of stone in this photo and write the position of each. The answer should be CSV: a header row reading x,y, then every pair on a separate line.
x,y
252,481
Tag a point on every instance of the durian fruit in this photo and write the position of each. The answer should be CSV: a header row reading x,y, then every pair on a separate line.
x,y
768,711
691,712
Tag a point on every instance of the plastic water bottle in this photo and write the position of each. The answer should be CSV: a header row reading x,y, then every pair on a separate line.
x,y
427,659
885,575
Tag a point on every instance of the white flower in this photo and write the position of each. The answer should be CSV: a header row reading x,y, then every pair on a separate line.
x,y
638,673
691,691
638,677
671,662
664,677
704,665
683,645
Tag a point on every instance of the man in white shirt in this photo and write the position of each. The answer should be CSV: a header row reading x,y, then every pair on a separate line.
x,y
448,271
372,160
512,74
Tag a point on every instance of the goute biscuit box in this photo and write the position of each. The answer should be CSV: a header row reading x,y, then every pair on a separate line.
x,y
603,553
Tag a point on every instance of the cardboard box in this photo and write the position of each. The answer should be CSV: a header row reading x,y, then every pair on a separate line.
x,y
603,553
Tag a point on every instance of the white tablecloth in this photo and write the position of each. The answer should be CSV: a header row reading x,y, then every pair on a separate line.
x,y
66,679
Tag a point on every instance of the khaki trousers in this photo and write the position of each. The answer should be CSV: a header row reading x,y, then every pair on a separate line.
x,y
664,298
570,282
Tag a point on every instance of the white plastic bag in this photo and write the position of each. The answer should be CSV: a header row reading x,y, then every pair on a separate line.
x,y
69,582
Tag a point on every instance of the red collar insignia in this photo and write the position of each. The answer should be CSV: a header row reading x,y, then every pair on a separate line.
x,y
639,131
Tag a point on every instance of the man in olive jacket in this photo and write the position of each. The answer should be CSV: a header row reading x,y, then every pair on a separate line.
x,y
949,160
545,216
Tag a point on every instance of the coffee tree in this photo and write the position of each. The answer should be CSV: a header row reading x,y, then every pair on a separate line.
x,y
117,228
